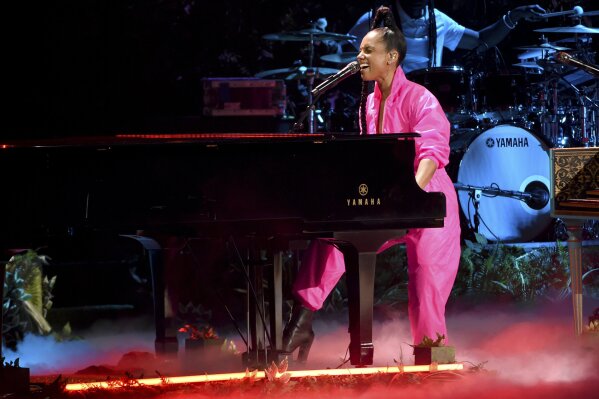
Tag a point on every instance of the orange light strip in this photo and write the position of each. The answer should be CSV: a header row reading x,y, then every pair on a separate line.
x,y
260,375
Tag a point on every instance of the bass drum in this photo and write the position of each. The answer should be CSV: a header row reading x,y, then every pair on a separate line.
x,y
506,157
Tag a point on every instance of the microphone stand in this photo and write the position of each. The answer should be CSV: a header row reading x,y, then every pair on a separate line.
x,y
536,198
519,195
309,111
475,196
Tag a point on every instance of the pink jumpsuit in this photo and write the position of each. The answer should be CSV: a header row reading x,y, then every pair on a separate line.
x,y
434,253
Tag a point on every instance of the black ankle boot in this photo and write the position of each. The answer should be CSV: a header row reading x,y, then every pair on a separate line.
x,y
298,332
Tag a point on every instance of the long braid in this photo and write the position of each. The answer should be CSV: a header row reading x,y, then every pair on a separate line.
x,y
384,15
363,96
365,86
432,34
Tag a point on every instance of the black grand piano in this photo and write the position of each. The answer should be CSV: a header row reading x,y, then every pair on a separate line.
x,y
276,187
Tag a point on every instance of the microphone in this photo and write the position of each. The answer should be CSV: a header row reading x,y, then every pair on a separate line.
x,y
535,194
332,81
567,59
576,10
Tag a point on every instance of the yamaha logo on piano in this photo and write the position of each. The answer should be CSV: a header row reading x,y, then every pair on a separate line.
x,y
363,200
363,189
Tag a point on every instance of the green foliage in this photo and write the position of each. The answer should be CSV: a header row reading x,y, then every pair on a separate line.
x,y
337,299
391,282
511,272
15,317
487,272
13,363
27,297
429,342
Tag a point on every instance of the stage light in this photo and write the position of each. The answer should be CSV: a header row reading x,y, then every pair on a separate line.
x,y
193,379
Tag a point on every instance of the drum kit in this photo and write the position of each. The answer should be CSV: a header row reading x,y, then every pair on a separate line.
x,y
306,75
503,124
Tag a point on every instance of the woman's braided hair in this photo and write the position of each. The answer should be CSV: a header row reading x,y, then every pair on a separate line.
x,y
432,34
394,40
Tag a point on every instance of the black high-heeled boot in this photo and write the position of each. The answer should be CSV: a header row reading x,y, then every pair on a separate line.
x,y
298,332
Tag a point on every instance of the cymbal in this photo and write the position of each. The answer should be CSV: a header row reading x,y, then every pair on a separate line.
x,y
550,63
543,46
340,58
569,29
575,39
306,35
535,54
296,73
528,65
344,58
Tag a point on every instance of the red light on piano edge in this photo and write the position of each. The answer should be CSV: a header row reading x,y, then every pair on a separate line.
x,y
4,146
159,136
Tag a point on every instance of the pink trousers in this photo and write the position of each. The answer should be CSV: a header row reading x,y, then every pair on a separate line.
x,y
433,259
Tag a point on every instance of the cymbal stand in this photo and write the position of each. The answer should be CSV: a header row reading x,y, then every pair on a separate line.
x,y
311,106
310,110
588,135
549,117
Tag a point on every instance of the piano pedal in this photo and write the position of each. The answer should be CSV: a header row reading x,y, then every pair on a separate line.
x,y
361,355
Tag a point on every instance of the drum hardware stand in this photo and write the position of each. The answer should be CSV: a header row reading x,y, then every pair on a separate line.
x,y
475,193
585,102
310,110
350,69
311,102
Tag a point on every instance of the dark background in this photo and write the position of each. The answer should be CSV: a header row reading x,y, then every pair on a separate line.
x,y
96,67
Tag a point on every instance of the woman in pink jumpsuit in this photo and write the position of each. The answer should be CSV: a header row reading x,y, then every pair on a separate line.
x,y
397,105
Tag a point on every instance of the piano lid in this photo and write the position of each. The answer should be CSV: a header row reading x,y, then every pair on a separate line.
x,y
262,184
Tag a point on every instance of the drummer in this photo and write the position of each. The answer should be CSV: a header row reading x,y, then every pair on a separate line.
x,y
425,44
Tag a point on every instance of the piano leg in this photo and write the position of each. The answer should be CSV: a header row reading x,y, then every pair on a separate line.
x,y
255,303
575,253
275,298
359,269
2,277
265,328
162,343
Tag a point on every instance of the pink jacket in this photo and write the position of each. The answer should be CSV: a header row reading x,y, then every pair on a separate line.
x,y
412,108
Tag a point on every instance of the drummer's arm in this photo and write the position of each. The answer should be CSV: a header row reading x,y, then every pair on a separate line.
x,y
493,34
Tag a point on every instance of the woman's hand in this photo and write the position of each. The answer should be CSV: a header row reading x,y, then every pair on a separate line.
x,y
425,172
